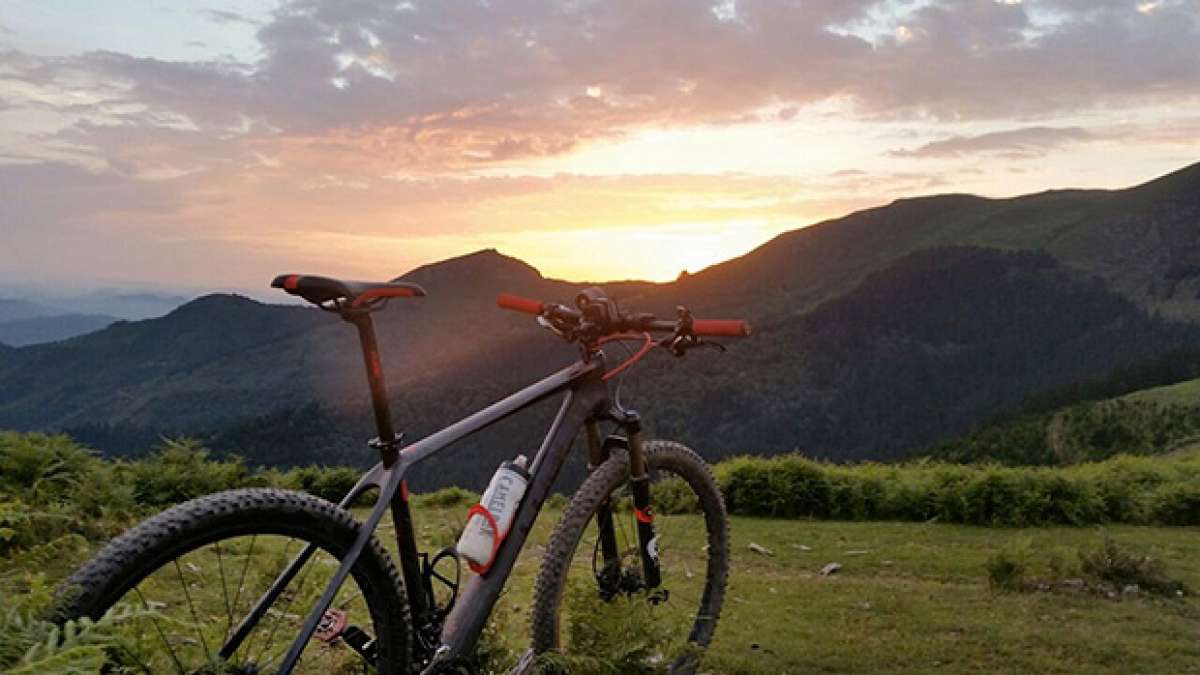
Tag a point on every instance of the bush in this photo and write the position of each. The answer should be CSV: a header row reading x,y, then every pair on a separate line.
x,y
1008,567
556,502
1177,504
23,526
182,470
31,644
329,483
1114,564
448,497
42,469
620,637
65,488
1124,489
672,495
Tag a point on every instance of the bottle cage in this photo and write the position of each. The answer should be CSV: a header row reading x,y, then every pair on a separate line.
x,y
429,573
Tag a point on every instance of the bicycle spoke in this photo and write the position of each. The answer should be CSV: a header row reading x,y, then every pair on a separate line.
x,y
242,580
224,593
161,634
283,613
246,645
680,539
192,608
145,668
182,606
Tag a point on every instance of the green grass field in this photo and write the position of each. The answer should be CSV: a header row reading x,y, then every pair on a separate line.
x,y
1181,393
910,598
914,598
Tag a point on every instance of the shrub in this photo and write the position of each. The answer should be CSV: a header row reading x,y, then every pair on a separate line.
x,y
23,526
619,637
1123,489
672,495
31,644
556,502
785,486
860,492
1177,504
182,470
40,468
1117,565
331,483
448,497
1008,567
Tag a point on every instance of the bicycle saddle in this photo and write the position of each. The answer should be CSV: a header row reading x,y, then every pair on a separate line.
x,y
319,290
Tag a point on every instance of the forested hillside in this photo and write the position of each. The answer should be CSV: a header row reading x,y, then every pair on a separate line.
x,y
887,330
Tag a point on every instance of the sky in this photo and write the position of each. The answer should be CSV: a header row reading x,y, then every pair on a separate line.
x,y
170,144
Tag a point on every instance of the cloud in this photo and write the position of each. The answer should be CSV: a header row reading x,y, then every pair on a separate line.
x,y
1026,142
224,16
378,118
444,86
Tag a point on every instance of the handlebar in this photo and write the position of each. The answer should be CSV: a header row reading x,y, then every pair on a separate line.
x,y
609,320
518,304
721,327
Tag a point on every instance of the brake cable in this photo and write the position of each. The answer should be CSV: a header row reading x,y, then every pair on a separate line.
x,y
647,344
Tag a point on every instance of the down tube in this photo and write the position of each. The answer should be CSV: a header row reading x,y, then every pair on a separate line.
x,y
470,613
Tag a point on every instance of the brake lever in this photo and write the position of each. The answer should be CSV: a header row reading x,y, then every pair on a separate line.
x,y
678,345
549,325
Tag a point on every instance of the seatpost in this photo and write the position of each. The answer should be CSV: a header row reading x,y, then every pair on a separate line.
x,y
383,414
389,450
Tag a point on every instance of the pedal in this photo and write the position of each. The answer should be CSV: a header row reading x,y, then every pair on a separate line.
x,y
358,640
333,623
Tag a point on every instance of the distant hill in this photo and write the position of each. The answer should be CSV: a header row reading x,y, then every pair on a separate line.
x,y
126,305
1143,241
1155,421
50,328
889,329
18,310
923,350
1181,393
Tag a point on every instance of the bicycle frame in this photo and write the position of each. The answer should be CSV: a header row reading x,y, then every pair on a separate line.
x,y
585,402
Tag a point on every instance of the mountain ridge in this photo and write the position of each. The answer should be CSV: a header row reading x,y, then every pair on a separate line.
x,y
228,367
39,329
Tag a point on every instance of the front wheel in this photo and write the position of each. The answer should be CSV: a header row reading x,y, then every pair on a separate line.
x,y
587,608
176,587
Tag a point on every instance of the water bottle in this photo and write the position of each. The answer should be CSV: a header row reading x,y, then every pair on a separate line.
x,y
479,541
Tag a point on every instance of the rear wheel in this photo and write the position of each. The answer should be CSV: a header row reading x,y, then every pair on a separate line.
x,y
177,586
650,630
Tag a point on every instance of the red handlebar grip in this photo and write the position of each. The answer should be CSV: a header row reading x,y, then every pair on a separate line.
x,y
720,327
518,304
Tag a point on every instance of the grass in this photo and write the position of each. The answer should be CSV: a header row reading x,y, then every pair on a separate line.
x,y
910,598
1181,393
914,598
913,595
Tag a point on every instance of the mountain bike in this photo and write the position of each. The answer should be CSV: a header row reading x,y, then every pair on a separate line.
x,y
261,579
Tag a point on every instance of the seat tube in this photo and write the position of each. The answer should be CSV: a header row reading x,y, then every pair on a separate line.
x,y
379,403
639,481
389,451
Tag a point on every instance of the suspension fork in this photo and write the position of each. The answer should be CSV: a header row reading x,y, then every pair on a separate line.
x,y
598,453
639,483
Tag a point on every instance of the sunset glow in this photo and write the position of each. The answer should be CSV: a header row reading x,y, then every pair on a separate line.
x,y
214,146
